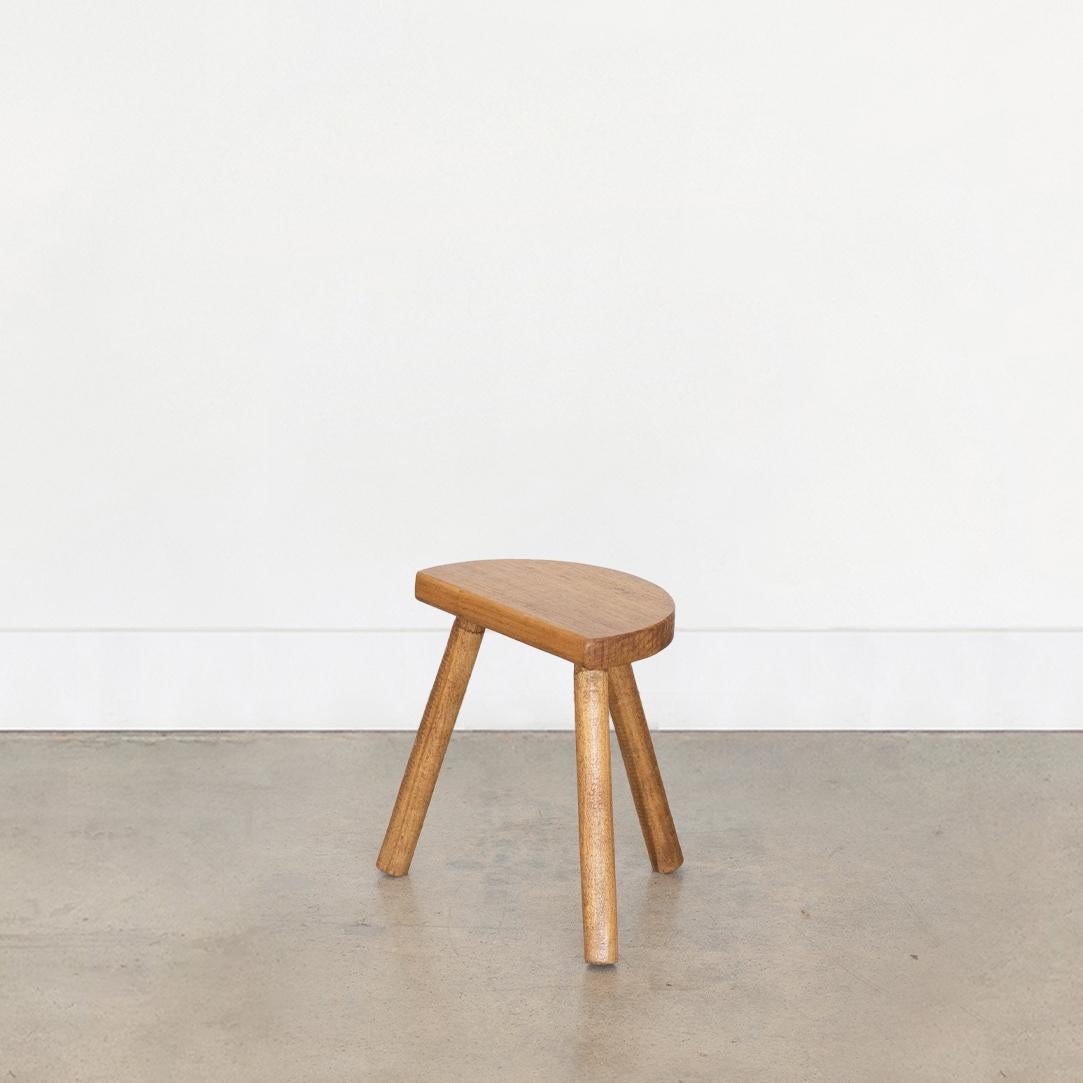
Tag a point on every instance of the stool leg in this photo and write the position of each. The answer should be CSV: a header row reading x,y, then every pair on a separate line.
x,y
597,868
430,745
637,750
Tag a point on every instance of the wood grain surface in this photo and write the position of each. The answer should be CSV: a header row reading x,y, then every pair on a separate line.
x,y
597,866
594,617
641,766
430,744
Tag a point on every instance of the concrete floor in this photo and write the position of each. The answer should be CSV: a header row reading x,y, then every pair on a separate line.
x,y
854,907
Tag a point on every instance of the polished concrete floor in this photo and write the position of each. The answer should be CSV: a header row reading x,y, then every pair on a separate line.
x,y
853,907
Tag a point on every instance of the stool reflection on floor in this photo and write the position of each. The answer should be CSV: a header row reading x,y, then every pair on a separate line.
x,y
600,620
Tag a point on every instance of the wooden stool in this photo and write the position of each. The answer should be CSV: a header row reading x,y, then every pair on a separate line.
x,y
601,620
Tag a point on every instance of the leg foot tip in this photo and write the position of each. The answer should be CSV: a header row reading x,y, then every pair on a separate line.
x,y
601,954
391,870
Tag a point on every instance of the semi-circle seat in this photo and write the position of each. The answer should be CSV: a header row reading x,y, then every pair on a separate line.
x,y
594,617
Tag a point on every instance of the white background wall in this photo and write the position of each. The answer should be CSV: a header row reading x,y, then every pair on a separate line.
x,y
778,305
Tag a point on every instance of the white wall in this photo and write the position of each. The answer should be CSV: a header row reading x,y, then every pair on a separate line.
x,y
778,305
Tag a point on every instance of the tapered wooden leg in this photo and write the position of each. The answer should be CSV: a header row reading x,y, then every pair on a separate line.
x,y
637,750
430,745
597,868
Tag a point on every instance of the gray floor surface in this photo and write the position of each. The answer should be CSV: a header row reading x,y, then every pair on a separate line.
x,y
853,907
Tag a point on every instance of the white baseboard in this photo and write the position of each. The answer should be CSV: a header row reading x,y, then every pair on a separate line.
x,y
147,680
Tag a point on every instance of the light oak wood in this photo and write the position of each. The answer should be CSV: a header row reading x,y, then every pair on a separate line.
x,y
594,617
431,743
641,765
597,867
